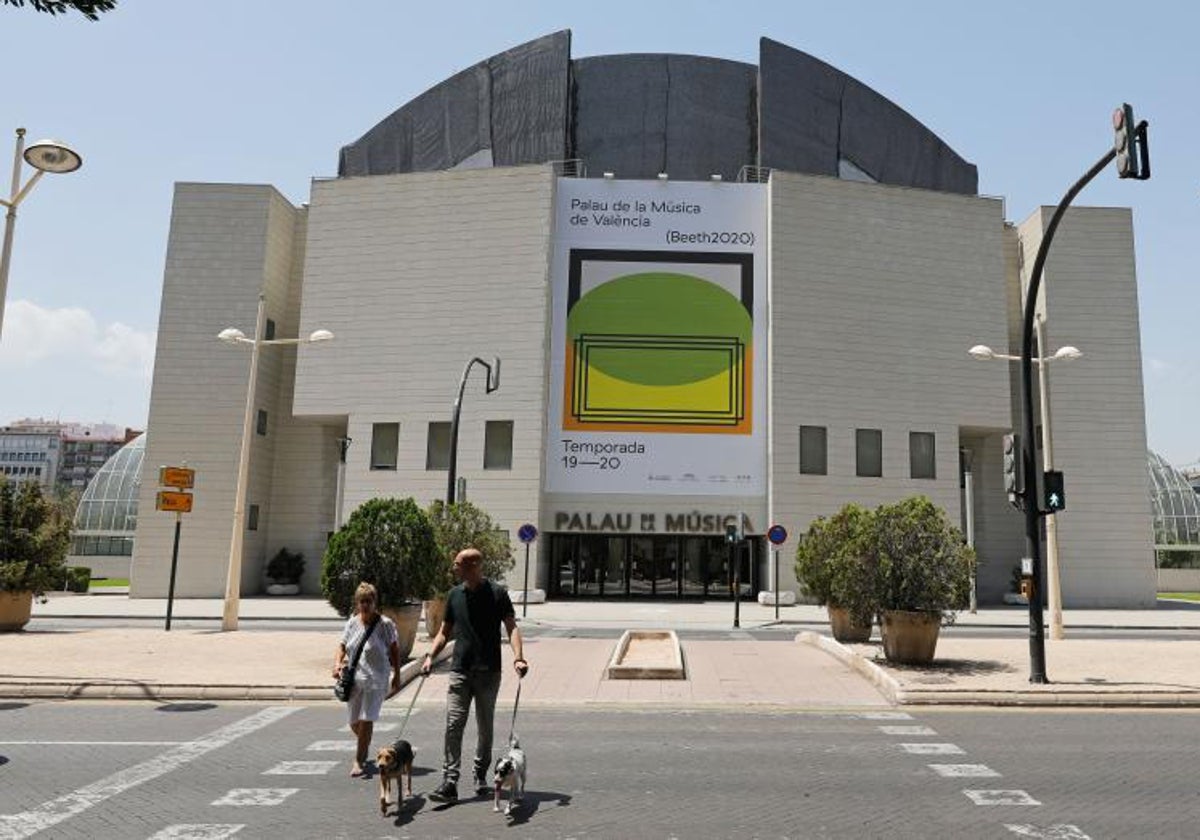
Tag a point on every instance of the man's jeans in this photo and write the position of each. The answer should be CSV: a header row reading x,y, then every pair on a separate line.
x,y
482,687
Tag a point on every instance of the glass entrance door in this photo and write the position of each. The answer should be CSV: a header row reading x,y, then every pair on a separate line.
x,y
696,554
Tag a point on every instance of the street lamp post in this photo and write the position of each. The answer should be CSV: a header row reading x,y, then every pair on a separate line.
x,y
493,382
44,156
1065,353
233,579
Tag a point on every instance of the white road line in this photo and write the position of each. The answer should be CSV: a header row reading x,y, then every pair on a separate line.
x,y
906,730
255,796
885,716
90,743
1000,797
927,748
1052,832
51,813
301,768
332,746
210,831
380,726
978,771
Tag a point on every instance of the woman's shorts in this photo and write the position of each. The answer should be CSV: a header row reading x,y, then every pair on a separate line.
x,y
365,703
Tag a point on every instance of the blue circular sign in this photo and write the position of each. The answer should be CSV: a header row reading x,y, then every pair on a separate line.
x,y
777,534
527,533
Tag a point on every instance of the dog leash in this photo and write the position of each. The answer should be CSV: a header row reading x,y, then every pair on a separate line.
x,y
516,703
411,703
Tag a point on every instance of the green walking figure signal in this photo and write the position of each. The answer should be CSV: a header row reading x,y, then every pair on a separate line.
x,y
1054,495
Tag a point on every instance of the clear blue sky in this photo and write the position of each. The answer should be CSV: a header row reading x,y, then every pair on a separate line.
x,y
265,91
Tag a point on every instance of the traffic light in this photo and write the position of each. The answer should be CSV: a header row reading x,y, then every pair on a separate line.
x,y
1125,142
1012,467
1053,492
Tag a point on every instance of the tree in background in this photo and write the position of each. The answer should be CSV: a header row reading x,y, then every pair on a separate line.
x,y
90,9
462,525
34,535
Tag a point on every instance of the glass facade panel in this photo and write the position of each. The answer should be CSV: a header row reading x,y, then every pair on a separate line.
x,y
813,453
385,445
497,445
107,513
437,447
922,457
1176,509
868,448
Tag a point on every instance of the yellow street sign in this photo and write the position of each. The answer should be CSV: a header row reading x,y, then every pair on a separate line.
x,y
182,477
174,501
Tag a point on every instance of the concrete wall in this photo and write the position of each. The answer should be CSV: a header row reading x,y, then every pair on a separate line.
x,y
227,243
1179,580
877,292
416,274
1098,411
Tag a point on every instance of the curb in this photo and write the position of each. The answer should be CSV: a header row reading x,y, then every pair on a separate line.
x,y
893,690
137,690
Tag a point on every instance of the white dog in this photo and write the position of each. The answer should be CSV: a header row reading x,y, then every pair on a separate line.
x,y
510,772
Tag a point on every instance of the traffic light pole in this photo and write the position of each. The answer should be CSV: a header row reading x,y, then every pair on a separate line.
x,y
1029,494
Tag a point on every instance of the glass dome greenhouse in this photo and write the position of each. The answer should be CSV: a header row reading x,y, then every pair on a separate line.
x,y
1176,508
107,513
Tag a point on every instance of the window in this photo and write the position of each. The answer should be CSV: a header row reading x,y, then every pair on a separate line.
x,y
385,444
269,330
252,518
868,450
922,455
261,425
497,445
437,449
813,455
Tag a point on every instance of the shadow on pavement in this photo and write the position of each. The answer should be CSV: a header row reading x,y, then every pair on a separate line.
x,y
12,707
532,802
408,810
185,707
947,670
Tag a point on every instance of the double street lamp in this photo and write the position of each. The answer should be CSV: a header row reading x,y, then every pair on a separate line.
x,y
44,156
1066,354
230,335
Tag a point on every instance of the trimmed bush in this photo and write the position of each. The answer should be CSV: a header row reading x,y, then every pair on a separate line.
x,y
34,535
385,542
463,525
924,563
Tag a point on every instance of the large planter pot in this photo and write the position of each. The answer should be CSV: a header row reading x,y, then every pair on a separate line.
x,y
435,611
845,628
283,589
910,638
15,609
406,617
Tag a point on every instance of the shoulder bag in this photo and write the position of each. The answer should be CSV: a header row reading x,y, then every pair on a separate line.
x,y
345,681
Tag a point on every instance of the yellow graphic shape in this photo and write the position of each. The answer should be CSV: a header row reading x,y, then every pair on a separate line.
x,y
712,395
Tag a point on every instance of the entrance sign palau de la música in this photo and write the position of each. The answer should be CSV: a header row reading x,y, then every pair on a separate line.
x,y
658,339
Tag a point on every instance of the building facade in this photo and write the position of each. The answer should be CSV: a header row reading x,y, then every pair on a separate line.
x,y
31,451
724,315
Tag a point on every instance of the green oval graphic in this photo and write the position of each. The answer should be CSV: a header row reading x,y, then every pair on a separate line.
x,y
660,328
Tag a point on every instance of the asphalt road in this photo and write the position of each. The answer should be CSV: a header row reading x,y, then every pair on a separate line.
x,y
134,771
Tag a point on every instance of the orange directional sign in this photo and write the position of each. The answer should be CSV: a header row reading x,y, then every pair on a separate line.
x,y
182,477
174,501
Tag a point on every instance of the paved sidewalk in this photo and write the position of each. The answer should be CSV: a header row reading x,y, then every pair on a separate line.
x,y
138,661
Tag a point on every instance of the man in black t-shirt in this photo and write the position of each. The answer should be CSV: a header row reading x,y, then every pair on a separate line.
x,y
475,609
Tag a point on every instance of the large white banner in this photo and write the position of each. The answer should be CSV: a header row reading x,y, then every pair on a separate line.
x,y
658,339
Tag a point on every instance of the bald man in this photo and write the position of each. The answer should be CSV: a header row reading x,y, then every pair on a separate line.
x,y
475,609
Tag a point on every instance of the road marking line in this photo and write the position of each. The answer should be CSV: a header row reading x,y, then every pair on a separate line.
x,y
332,746
1053,832
301,768
1000,797
906,730
932,749
211,831
380,726
255,796
91,743
885,716
979,771
51,813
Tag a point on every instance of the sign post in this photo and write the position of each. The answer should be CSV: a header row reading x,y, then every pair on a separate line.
x,y
777,534
179,502
527,533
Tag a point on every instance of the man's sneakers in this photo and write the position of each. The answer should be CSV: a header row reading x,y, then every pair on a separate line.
x,y
445,792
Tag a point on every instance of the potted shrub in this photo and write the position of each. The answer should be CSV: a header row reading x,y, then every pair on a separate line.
x,y
835,565
34,535
284,572
388,543
924,575
455,527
